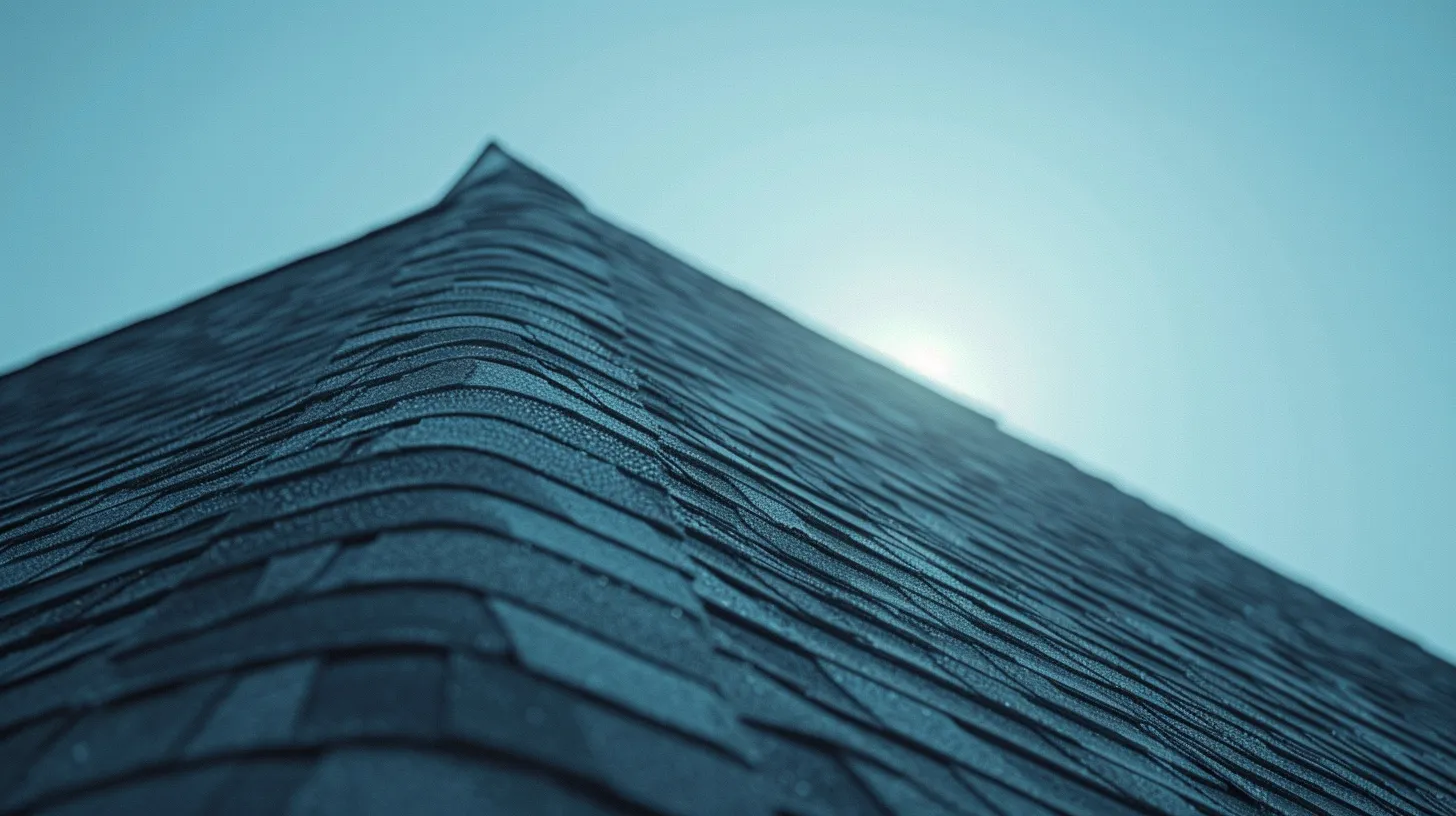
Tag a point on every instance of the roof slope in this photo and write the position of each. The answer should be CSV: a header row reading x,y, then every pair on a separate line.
x,y
502,509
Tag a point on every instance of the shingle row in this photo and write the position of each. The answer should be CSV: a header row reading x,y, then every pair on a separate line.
x,y
500,509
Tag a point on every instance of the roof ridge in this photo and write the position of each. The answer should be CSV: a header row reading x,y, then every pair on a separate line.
x,y
495,165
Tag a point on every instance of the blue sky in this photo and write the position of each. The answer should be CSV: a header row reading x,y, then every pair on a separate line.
x,y
1203,249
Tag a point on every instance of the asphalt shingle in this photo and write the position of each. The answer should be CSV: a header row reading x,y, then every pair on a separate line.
x,y
500,508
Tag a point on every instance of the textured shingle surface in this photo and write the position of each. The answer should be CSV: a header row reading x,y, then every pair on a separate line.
x,y
500,509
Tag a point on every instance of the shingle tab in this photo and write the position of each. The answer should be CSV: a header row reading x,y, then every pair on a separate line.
x,y
500,508
389,694
598,668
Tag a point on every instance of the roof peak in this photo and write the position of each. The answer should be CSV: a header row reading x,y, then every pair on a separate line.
x,y
495,165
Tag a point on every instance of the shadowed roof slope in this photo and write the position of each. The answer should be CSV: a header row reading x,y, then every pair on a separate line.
x,y
500,509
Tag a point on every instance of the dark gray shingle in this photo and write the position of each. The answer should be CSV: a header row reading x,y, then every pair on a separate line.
x,y
499,507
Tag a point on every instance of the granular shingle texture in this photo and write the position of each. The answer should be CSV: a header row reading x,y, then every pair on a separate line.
x,y
500,509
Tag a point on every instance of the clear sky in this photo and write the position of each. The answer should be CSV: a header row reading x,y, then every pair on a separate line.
x,y
1204,249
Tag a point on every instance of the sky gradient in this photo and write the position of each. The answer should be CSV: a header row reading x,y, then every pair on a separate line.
x,y
1207,253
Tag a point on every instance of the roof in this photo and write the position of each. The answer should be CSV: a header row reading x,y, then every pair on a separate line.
x,y
501,508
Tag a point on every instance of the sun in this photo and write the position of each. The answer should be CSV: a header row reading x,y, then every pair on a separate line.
x,y
925,358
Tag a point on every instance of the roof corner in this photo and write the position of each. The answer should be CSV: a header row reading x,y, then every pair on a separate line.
x,y
494,166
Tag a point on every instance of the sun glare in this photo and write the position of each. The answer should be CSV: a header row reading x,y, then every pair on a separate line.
x,y
927,359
